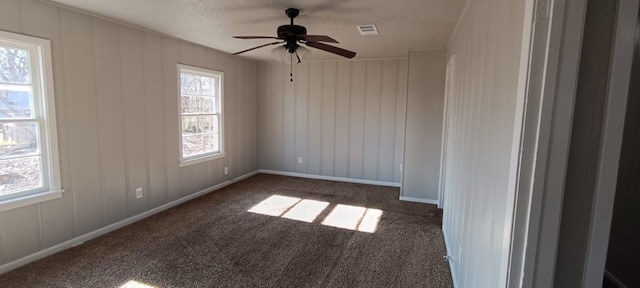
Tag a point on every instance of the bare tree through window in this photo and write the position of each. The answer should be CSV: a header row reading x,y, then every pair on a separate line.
x,y
17,138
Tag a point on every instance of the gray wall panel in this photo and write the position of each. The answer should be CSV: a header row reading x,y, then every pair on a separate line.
x,y
111,119
173,172
134,114
486,48
314,126
301,86
371,144
401,110
11,20
388,100
83,120
263,119
117,113
341,117
356,119
20,234
277,124
423,135
328,117
288,123
343,89
154,115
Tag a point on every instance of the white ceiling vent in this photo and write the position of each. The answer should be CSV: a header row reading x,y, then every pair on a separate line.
x,y
368,29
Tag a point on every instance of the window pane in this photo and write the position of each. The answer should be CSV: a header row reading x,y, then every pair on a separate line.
x,y
207,86
192,145
14,66
205,124
206,104
200,110
209,143
189,104
19,174
189,125
216,142
189,84
192,84
216,124
15,101
18,138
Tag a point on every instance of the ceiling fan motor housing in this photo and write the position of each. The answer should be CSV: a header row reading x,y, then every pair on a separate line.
x,y
289,33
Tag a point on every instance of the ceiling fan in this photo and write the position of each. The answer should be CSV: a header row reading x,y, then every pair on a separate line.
x,y
291,35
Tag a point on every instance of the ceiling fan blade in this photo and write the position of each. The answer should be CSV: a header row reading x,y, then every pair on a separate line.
x,y
274,43
332,49
255,37
317,38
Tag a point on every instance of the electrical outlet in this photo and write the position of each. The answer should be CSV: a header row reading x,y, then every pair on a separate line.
x,y
226,170
138,192
299,160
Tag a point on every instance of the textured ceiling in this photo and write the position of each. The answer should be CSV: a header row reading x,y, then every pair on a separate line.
x,y
403,24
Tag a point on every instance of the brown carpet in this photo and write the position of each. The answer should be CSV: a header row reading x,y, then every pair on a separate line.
x,y
213,241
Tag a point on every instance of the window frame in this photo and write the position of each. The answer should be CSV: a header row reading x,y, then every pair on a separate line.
x,y
44,115
199,158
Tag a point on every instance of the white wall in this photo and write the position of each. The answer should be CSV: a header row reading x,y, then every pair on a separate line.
x,y
344,118
118,124
423,136
482,110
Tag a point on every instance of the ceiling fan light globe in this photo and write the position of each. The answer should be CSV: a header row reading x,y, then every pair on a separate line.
x,y
303,53
280,54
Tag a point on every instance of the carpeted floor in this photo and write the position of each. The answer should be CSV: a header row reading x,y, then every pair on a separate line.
x,y
214,241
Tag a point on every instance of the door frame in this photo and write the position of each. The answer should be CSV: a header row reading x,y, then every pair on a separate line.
x,y
550,93
611,143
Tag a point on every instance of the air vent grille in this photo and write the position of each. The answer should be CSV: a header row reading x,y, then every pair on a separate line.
x,y
368,29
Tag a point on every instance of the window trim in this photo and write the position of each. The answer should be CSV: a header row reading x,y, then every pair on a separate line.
x,y
186,161
52,184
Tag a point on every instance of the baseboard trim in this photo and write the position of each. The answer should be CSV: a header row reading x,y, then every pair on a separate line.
x,y
245,176
419,200
454,278
115,226
330,178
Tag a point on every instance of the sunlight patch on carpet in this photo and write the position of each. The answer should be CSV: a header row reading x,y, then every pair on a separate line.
x,y
136,284
355,218
306,210
370,221
345,216
275,205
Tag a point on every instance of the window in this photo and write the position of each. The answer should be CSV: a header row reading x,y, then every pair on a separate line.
x,y
201,121
29,171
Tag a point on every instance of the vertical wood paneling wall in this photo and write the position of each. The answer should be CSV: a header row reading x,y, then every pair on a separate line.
x,y
487,46
423,137
116,100
344,118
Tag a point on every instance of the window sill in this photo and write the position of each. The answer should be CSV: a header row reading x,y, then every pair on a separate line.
x,y
30,200
187,162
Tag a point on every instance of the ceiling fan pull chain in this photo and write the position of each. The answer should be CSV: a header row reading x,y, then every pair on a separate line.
x,y
291,71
